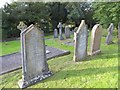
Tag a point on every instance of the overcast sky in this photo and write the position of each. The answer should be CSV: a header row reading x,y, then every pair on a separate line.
x,y
2,2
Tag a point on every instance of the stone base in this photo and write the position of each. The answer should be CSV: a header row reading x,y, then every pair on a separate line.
x,y
75,59
94,53
25,84
61,38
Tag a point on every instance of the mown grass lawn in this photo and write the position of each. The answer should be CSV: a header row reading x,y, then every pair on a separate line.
x,y
100,71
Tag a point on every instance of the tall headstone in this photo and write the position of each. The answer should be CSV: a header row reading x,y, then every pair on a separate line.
x,y
119,32
80,47
67,32
110,32
95,39
34,64
55,33
60,31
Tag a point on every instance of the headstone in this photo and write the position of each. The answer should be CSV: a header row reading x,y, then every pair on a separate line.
x,y
119,32
55,33
75,29
80,47
67,32
109,36
95,39
21,26
34,64
71,32
60,31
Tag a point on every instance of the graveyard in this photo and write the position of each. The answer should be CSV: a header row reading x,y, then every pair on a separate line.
x,y
96,71
60,54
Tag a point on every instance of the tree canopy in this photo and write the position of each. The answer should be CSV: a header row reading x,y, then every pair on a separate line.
x,y
48,15
107,12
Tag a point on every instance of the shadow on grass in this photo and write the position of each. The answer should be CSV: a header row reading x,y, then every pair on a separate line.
x,y
101,56
82,72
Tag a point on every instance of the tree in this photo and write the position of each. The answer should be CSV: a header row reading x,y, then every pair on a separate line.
x,y
58,13
107,12
78,11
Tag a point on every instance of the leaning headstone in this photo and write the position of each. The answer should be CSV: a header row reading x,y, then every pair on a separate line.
x,y
34,64
109,36
55,33
60,31
95,39
80,47
119,32
67,32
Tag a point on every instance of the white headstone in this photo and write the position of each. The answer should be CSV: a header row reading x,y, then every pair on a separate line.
x,y
80,47
95,39
34,62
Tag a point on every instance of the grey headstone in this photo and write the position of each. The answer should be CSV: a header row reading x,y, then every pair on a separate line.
x,y
60,31
67,32
34,64
80,47
110,32
75,29
95,39
119,32
71,32
55,33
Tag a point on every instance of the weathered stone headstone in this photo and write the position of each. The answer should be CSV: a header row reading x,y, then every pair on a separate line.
x,y
60,31
71,32
109,36
75,29
67,32
80,47
95,39
55,33
119,32
34,64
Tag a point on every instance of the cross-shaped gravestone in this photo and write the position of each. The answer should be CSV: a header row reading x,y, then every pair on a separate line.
x,y
60,31
21,26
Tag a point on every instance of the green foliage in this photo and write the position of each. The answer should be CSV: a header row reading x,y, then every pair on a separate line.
x,y
58,13
107,12
78,11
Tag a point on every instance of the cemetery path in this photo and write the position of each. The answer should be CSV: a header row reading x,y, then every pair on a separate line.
x,y
13,61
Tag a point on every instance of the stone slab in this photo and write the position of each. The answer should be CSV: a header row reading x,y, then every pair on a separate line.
x,y
13,61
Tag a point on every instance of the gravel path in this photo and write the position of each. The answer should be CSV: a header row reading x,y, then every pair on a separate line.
x,y
13,61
